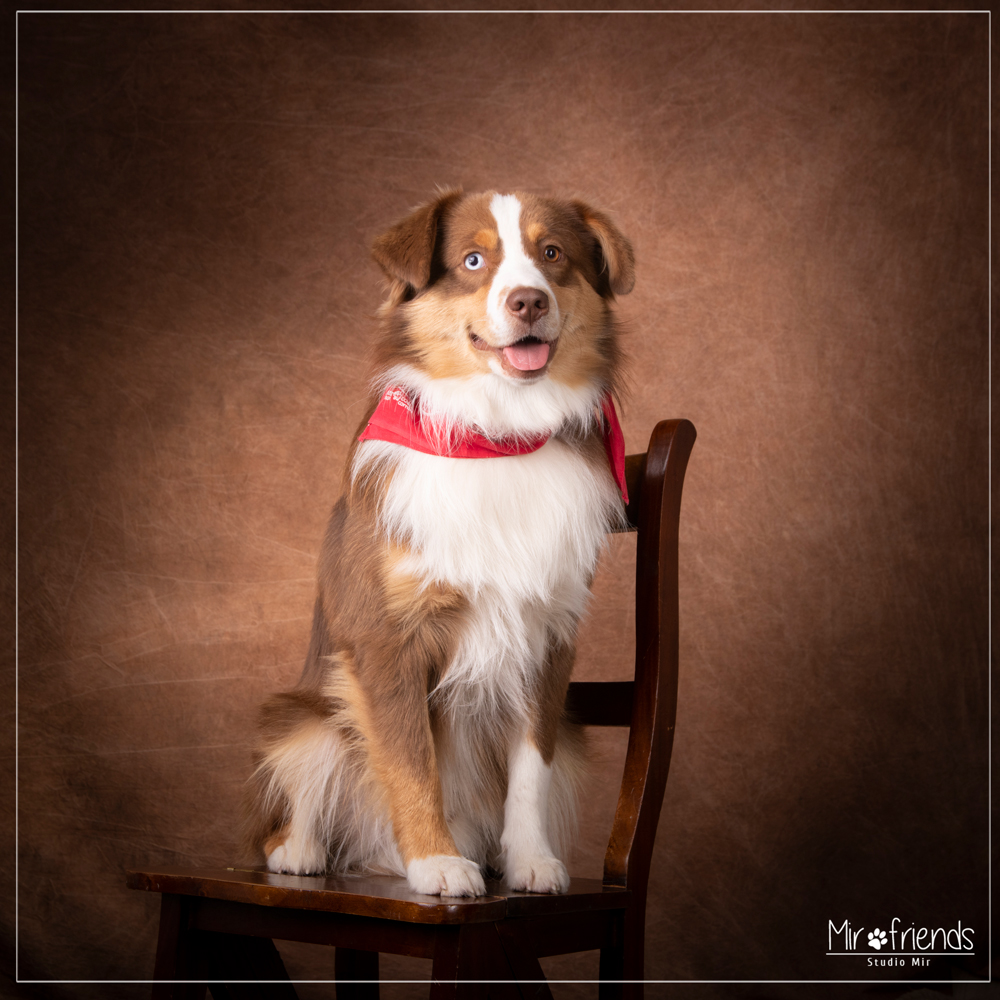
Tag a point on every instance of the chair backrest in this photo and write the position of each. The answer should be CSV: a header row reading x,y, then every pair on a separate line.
x,y
647,704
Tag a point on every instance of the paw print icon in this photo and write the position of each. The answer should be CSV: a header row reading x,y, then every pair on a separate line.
x,y
876,939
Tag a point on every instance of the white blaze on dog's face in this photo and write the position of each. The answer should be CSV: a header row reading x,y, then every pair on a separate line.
x,y
512,285
522,309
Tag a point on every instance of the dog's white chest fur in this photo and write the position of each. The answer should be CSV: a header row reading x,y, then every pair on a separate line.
x,y
519,536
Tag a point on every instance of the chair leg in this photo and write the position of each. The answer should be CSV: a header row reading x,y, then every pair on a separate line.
x,y
612,967
470,964
632,930
210,957
610,974
176,952
524,966
349,967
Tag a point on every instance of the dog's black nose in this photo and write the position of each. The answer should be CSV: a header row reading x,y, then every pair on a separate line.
x,y
528,304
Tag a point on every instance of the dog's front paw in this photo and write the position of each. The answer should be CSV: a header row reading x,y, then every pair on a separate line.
x,y
542,873
445,875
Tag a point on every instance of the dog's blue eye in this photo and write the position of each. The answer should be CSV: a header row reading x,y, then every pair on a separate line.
x,y
474,261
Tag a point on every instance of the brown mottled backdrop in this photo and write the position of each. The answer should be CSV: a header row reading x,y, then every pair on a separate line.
x,y
808,197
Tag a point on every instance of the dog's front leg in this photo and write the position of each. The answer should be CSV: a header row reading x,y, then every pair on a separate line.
x,y
530,863
401,750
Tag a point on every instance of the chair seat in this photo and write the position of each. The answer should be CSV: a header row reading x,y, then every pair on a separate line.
x,y
209,916
385,897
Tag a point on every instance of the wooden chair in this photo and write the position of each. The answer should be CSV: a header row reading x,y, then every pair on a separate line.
x,y
217,926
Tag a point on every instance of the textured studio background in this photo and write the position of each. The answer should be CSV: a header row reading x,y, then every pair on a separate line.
x,y
807,196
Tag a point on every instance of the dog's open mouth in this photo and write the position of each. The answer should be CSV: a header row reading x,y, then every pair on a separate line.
x,y
529,354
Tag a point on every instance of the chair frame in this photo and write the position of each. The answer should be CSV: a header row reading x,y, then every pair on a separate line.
x,y
217,925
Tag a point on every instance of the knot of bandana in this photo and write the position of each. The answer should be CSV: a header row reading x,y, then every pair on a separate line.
x,y
397,419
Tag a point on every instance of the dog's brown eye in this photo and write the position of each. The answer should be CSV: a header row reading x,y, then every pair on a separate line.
x,y
552,253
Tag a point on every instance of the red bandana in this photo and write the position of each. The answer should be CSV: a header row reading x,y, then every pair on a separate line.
x,y
398,421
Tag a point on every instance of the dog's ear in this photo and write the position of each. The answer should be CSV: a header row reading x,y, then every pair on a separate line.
x,y
616,266
406,252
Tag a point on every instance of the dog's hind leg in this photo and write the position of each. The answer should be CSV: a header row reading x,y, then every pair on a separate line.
x,y
299,847
298,758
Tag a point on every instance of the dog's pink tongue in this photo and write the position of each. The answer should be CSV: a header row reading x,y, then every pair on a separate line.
x,y
527,357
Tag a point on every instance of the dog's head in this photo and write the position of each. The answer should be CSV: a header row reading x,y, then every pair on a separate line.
x,y
513,286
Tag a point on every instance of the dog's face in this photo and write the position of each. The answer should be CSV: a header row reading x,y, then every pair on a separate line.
x,y
512,285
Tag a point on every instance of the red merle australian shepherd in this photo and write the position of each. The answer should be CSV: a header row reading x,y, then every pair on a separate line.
x,y
427,734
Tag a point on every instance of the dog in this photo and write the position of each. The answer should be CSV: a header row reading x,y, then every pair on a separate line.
x,y
428,736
